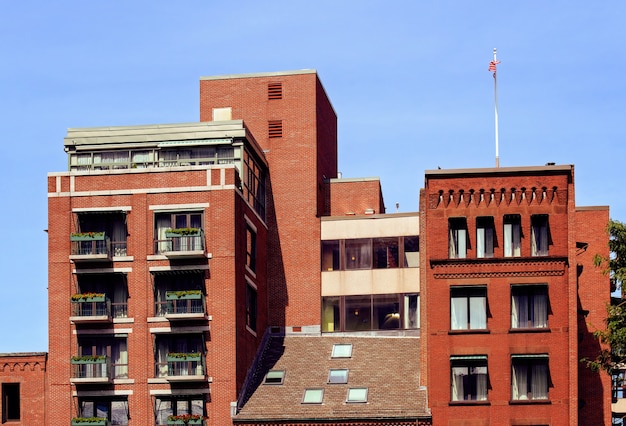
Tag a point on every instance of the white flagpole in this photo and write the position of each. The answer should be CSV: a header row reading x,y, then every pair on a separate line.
x,y
495,95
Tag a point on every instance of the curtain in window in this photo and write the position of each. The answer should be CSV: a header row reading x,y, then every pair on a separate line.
x,y
540,310
162,351
120,359
512,238
458,313
539,381
480,373
163,222
140,159
458,243
520,381
458,374
118,237
119,412
163,409
120,298
478,312
519,311
480,242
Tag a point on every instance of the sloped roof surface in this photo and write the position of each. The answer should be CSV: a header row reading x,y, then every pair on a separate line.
x,y
387,366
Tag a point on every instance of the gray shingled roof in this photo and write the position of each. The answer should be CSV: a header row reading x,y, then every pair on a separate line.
x,y
387,366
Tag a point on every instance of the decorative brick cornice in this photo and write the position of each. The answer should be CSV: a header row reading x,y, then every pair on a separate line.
x,y
491,196
498,267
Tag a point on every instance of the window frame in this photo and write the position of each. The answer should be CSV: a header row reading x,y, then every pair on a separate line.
x,y
533,293
469,362
357,395
539,235
470,294
103,401
10,392
313,396
252,312
338,376
458,241
485,236
341,351
274,377
530,361
251,247
512,235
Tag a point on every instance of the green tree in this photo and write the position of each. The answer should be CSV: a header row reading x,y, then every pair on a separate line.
x,y
613,337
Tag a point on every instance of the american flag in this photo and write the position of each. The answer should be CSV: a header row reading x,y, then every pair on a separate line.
x,y
492,66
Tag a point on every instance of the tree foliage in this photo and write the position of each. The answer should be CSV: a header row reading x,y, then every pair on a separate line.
x,y
613,337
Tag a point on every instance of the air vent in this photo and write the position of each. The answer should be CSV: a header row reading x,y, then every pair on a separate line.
x,y
275,91
275,128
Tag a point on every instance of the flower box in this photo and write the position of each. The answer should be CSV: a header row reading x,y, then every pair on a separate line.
x,y
182,422
88,297
87,236
185,419
182,232
89,359
183,295
179,357
89,421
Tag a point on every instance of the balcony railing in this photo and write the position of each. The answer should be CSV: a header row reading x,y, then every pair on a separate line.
x,y
90,246
89,421
90,309
188,244
181,304
182,367
90,369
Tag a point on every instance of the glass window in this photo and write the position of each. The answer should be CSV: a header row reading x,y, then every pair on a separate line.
x,y
529,306
468,378
10,402
275,377
358,254
484,236
313,396
385,253
251,248
529,377
357,395
114,410
330,313
385,312
339,375
342,350
358,313
412,311
330,255
251,307
178,406
457,242
512,235
411,252
468,308
539,235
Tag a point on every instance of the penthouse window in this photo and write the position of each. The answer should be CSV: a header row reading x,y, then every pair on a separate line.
x,y
530,377
512,235
469,378
468,308
370,253
457,238
539,235
485,236
529,306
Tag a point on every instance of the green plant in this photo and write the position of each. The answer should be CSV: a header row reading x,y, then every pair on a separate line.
x,y
87,234
185,417
88,358
80,420
183,355
183,231
83,296
182,293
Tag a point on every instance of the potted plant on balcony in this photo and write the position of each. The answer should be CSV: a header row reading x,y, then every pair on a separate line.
x,y
87,236
183,356
89,421
183,294
185,419
88,359
88,297
182,232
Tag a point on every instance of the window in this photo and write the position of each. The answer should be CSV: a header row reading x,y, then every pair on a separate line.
x,y
189,239
385,253
512,235
10,402
618,379
179,355
251,307
469,378
358,254
530,377
254,176
274,377
115,288
357,395
112,223
178,406
113,348
370,312
251,248
484,236
529,306
539,235
330,255
114,410
468,308
179,292
411,252
313,396
342,350
457,242
339,375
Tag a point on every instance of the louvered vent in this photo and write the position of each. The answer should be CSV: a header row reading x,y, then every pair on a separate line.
x,y
275,91
275,128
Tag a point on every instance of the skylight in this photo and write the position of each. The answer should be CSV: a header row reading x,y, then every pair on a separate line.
x,y
342,350
357,395
313,396
275,377
339,375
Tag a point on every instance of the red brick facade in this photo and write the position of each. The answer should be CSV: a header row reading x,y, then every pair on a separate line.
x,y
494,340
23,385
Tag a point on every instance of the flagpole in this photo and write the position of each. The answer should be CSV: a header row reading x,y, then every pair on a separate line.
x,y
495,96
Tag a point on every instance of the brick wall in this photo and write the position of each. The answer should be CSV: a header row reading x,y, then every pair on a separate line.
x,y
28,372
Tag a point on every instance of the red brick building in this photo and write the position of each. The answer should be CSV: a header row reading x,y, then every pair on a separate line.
x,y
508,288
23,386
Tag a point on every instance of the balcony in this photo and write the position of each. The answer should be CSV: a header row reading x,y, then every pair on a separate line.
x,y
90,247
90,421
182,243
182,305
90,369
182,367
90,308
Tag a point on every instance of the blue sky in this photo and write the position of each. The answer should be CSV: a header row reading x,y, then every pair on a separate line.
x,y
408,80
